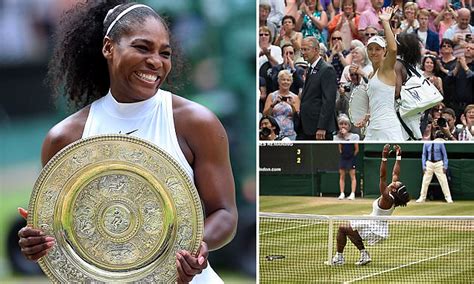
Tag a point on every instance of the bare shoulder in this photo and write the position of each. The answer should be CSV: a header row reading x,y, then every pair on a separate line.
x,y
64,133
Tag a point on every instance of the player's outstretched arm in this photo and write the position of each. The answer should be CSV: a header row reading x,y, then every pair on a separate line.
x,y
383,169
396,167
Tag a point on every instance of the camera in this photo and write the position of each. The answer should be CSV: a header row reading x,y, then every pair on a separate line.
x,y
468,37
441,122
347,87
265,132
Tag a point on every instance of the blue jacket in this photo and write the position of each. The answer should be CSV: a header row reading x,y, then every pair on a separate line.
x,y
432,40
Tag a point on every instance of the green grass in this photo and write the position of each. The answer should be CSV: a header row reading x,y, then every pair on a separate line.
x,y
416,251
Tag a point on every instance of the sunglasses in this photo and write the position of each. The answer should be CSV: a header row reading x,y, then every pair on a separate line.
x,y
337,38
264,34
370,34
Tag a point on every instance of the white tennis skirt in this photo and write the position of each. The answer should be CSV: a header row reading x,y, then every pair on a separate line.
x,y
371,231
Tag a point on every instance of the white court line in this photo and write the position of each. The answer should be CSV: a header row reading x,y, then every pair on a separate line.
x,y
401,266
291,228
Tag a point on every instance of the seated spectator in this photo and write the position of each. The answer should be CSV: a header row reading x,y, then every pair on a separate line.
x,y
370,16
396,22
445,19
312,21
428,38
288,35
410,23
427,127
368,32
467,119
344,125
269,129
283,105
288,64
347,22
264,10
268,52
447,125
277,12
430,68
337,54
360,65
460,33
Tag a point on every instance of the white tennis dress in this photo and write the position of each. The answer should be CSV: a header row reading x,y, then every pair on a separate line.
x,y
383,123
152,120
373,231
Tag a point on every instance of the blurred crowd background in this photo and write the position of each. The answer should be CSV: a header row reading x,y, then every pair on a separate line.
x,y
218,42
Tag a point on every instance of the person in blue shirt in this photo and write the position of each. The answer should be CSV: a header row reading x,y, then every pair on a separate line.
x,y
434,160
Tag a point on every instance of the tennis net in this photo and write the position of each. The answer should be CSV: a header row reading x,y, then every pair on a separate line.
x,y
418,249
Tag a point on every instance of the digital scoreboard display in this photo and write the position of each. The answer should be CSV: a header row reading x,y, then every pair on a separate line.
x,y
296,158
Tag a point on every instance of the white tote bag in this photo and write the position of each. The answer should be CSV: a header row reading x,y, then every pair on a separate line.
x,y
417,94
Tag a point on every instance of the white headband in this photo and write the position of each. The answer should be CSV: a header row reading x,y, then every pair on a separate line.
x,y
124,12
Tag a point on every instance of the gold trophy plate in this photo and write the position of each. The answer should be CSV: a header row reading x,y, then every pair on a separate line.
x,y
119,207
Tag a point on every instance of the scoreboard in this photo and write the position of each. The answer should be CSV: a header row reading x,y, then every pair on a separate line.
x,y
298,158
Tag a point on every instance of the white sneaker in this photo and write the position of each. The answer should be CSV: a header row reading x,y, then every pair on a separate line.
x,y
338,259
419,200
449,200
364,258
341,196
352,196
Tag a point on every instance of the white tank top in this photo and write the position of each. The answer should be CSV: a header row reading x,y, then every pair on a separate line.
x,y
377,211
151,120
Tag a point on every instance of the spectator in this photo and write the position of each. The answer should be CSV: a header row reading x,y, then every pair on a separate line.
x,y
410,23
428,38
283,105
288,35
262,88
462,76
269,129
347,22
434,160
461,32
447,63
362,6
288,64
312,21
434,8
317,119
369,32
445,19
467,119
447,124
360,65
268,52
384,124
430,67
264,10
344,132
370,16
396,22
427,127
277,11
337,54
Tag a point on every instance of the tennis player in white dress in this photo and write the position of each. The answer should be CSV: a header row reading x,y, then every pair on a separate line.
x,y
383,122
373,231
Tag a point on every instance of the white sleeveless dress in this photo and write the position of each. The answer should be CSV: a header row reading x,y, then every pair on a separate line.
x,y
152,120
383,123
373,231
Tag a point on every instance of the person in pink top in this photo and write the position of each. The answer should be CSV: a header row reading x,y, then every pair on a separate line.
x,y
362,6
370,16
434,7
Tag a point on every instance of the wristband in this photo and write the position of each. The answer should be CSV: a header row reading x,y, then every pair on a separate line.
x,y
399,158
384,159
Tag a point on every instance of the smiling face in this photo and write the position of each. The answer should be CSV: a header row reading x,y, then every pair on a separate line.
x,y
139,61
284,81
429,64
376,53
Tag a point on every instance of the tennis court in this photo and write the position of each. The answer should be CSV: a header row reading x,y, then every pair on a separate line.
x,y
417,251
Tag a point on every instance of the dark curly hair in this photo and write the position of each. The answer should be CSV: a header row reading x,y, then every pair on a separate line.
x,y
400,196
409,48
78,70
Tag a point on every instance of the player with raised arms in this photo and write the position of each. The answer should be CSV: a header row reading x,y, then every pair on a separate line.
x,y
373,231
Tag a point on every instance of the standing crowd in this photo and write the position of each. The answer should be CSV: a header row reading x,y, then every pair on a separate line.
x,y
321,61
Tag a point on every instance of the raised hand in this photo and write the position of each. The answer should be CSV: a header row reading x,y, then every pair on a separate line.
x,y
386,13
386,151
398,150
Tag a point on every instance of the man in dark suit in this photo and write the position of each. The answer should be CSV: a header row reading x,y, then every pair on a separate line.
x,y
318,99
429,38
